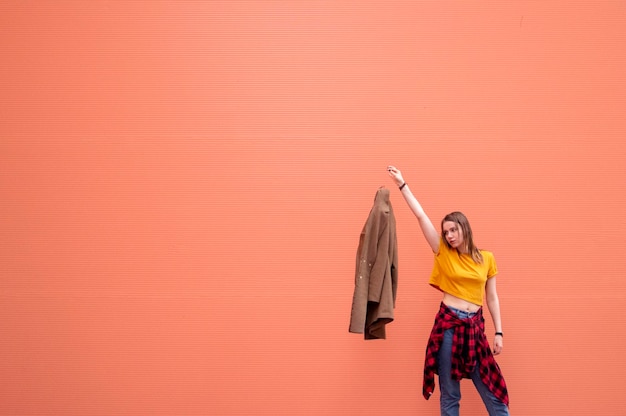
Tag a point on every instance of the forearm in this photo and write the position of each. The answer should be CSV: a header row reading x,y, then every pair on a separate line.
x,y
493,303
414,204
429,231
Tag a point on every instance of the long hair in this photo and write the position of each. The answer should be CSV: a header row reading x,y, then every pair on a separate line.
x,y
468,239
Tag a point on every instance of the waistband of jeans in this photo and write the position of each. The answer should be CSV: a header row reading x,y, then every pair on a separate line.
x,y
461,311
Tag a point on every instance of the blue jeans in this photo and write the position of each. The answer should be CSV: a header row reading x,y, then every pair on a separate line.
x,y
451,389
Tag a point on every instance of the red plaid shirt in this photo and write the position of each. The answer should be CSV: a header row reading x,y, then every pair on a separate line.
x,y
469,348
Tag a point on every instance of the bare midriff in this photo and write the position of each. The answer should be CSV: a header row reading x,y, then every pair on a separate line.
x,y
458,303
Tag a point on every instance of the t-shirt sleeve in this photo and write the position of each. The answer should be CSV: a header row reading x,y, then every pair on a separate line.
x,y
492,267
435,276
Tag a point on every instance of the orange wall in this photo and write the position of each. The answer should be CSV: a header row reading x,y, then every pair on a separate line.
x,y
183,186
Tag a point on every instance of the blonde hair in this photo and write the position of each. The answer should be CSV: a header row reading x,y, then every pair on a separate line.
x,y
468,240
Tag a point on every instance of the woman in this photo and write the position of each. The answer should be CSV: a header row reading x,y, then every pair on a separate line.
x,y
457,347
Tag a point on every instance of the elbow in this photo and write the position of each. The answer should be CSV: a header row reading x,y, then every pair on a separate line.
x,y
492,299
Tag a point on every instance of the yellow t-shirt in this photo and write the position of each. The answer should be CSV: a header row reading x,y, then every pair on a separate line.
x,y
459,275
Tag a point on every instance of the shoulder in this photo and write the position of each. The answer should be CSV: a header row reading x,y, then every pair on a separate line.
x,y
487,254
488,257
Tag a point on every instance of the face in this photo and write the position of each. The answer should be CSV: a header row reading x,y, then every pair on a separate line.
x,y
453,234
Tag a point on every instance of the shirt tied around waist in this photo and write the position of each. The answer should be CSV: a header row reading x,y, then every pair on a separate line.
x,y
469,349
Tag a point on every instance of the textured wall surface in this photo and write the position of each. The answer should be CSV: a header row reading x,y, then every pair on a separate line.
x,y
183,185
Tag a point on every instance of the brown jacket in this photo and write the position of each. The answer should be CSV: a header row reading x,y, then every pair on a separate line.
x,y
376,277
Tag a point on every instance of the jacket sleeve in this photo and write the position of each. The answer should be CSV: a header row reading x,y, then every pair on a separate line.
x,y
365,262
378,256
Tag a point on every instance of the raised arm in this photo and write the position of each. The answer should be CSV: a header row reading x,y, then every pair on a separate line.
x,y
428,229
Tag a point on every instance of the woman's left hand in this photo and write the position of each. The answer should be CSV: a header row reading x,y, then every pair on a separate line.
x,y
497,345
395,173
